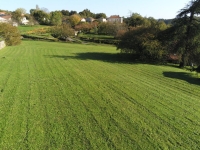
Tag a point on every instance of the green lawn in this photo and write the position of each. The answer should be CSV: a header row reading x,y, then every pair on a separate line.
x,y
70,96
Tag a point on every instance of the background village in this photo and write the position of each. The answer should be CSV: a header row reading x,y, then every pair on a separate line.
x,y
6,17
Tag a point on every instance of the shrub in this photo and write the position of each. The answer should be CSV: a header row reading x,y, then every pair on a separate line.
x,y
62,31
10,34
111,28
120,33
143,42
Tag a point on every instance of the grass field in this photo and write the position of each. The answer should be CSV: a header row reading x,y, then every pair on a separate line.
x,y
68,96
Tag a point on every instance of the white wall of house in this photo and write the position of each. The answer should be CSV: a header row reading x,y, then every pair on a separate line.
x,y
83,20
102,20
2,20
24,21
15,24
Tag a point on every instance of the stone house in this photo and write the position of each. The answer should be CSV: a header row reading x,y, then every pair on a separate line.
x,y
115,19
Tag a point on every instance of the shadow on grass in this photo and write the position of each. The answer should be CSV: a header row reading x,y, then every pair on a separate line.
x,y
173,65
106,57
183,76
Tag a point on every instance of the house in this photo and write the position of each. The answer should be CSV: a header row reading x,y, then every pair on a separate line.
x,y
2,20
76,33
2,13
83,20
102,19
115,19
24,21
89,19
173,58
5,18
15,24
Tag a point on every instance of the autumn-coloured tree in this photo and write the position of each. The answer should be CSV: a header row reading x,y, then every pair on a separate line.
x,y
74,19
10,34
86,27
83,27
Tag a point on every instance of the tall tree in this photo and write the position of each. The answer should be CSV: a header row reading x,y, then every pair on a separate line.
x,y
86,13
41,16
135,20
184,34
72,12
100,15
65,12
18,14
56,18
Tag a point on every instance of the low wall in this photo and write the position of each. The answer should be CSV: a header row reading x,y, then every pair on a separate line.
x,y
2,44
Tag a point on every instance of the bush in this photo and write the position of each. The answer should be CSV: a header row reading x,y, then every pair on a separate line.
x,y
111,28
142,41
120,33
62,31
10,34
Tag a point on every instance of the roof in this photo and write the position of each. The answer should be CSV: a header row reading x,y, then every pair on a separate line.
x,y
90,19
6,17
173,57
115,16
2,13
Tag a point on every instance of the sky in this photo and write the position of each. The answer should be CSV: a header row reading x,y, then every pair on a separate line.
x,y
166,9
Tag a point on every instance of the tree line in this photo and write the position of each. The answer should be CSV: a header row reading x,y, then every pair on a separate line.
x,y
155,40
144,38
42,16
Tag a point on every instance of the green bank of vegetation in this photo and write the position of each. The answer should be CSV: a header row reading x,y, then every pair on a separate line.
x,y
72,96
